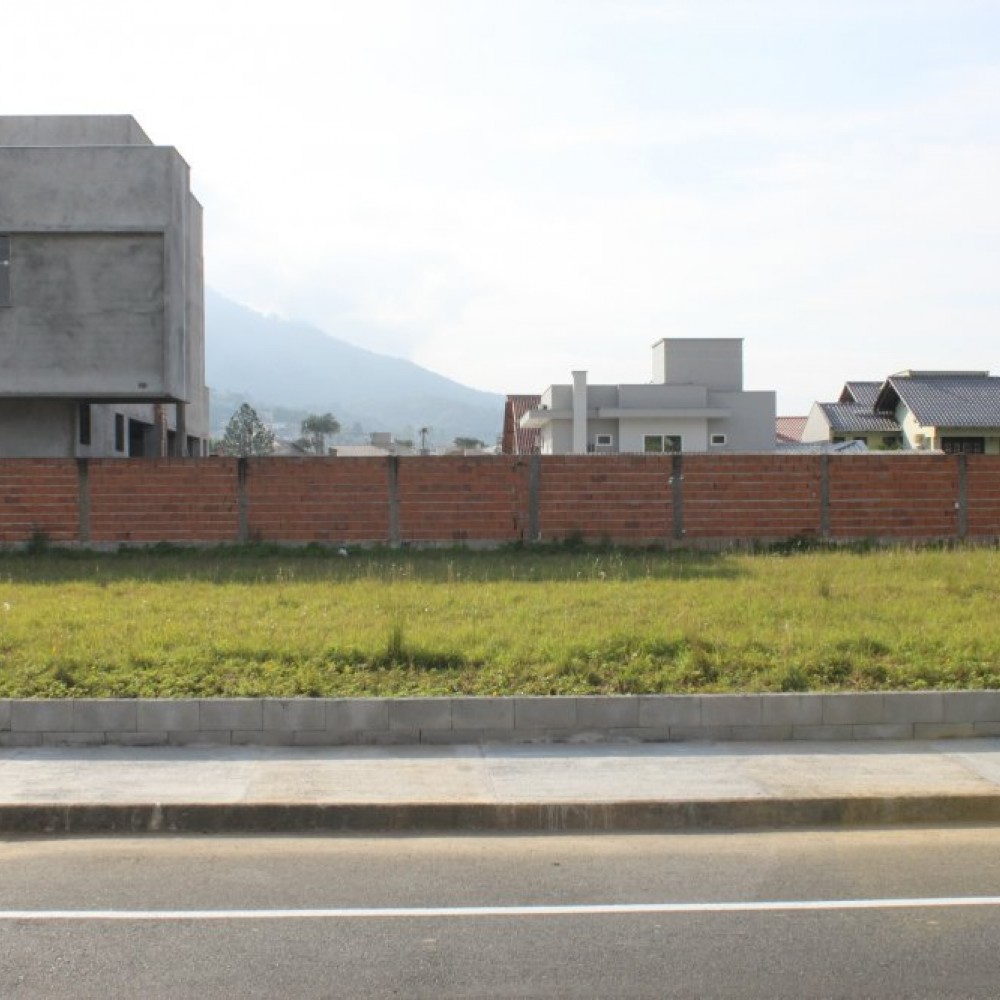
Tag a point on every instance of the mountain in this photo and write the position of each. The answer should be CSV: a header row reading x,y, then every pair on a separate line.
x,y
288,369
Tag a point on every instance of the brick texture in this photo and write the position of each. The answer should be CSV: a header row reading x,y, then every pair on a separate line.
x,y
894,496
39,496
983,496
627,499
445,499
751,496
177,500
619,498
318,499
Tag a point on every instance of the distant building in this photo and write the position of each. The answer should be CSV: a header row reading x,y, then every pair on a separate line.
x,y
695,403
788,430
518,440
945,411
102,348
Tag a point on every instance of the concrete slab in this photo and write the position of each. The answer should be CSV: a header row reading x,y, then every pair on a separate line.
x,y
493,787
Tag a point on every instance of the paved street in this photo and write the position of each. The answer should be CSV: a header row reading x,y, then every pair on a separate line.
x,y
544,916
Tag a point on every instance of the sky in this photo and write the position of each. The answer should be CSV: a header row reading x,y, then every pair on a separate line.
x,y
508,190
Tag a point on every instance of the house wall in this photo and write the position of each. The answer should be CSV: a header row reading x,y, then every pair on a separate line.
x,y
674,500
713,362
750,427
817,426
693,432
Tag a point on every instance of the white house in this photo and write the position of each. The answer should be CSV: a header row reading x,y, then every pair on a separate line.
x,y
695,403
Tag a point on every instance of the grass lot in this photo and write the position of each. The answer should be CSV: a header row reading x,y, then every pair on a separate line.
x,y
284,623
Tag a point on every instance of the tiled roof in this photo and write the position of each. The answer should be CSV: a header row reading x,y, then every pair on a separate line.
x,y
945,400
790,428
864,393
518,440
857,417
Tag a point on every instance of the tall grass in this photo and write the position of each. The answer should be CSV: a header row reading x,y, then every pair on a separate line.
x,y
309,622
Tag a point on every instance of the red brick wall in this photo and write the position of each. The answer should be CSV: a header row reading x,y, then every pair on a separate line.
x,y
621,498
452,499
317,499
751,496
983,496
39,495
894,496
627,499
163,500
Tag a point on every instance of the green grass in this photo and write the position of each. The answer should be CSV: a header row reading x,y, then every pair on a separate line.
x,y
258,621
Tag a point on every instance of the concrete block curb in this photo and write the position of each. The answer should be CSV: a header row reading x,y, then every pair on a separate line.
x,y
517,719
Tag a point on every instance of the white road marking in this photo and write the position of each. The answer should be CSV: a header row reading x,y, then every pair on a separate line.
x,y
543,910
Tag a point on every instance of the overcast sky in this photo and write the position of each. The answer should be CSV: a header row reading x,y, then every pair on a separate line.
x,y
505,190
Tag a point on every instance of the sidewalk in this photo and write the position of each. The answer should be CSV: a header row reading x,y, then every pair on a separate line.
x,y
680,786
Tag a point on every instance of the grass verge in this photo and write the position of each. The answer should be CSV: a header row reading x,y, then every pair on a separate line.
x,y
253,622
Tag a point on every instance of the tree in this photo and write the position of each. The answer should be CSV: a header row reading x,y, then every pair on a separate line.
x,y
246,434
315,429
469,444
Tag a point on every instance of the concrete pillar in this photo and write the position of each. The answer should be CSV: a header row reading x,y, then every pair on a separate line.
x,y
579,413
180,434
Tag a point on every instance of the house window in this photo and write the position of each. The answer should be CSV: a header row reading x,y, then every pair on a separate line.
x,y
718,439
119,432
83,423
963,445
4,270
603,440
657,444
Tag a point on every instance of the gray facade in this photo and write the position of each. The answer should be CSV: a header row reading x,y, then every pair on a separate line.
x,y
695,403
101,308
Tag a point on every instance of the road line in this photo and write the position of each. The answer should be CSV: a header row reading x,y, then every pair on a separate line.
x,y
569,910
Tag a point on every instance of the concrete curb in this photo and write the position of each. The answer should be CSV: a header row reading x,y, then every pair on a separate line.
x,y
533,817
315,722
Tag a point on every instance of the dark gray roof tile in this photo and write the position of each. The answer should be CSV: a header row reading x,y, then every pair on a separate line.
x,y
857,417
948,400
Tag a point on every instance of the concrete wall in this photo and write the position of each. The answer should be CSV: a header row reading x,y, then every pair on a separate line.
x,y
404,721
715,362
106,287
86,317
750,426
71,130
43,428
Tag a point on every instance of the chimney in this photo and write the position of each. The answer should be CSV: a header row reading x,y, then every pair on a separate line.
x,y
579,413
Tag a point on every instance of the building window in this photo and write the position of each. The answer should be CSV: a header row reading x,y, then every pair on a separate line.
x,y
4,270
718,439
657,444
119,432
963,445
603,440
83,423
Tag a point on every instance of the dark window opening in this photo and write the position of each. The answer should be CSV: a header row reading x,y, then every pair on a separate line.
x,y
119,432
4,270
963,445
83,421
140,439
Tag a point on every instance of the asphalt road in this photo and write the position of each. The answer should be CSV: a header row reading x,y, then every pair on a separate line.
x,y
887,913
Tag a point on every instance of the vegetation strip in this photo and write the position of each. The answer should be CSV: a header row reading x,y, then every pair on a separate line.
x,y
258,621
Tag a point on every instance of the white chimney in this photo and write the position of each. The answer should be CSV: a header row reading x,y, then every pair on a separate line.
x,y
579,413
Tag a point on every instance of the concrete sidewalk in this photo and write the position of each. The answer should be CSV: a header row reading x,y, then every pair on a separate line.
x,y
497,788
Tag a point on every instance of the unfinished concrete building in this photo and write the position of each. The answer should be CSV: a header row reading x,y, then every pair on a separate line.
x,y
102,344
